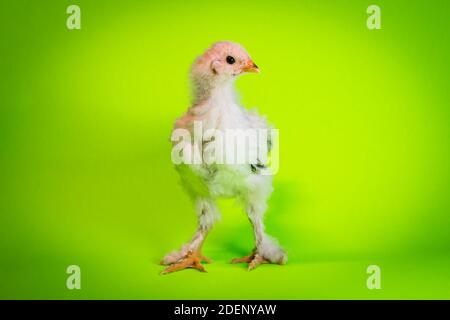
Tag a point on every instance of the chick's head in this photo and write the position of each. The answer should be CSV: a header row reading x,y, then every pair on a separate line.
x,y
225,60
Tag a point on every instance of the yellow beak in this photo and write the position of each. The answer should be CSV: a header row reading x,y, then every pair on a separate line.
x,y
250,67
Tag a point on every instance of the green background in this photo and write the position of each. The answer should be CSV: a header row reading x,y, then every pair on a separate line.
x,y
86,174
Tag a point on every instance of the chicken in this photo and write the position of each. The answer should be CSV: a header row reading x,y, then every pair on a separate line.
x,y
215,107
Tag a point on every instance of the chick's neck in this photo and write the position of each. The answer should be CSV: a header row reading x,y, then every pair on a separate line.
x,y
213,93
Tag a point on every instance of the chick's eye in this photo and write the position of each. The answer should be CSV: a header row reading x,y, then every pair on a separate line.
x,y
230,60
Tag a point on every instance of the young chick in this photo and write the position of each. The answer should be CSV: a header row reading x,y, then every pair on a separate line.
x,y
215,106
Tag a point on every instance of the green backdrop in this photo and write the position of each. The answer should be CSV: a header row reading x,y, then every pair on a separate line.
x,y
86,174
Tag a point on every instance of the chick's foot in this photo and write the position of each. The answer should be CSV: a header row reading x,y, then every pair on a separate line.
x,y
253,260
192,259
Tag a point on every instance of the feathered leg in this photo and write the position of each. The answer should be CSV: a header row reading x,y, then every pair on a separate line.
x,y
190,255
267,249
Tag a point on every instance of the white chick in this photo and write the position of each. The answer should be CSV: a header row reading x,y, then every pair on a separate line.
x,y
215,107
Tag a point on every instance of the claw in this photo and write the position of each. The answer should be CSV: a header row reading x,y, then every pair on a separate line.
x,y
246,259
257,260
190,260
205,259
253,260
